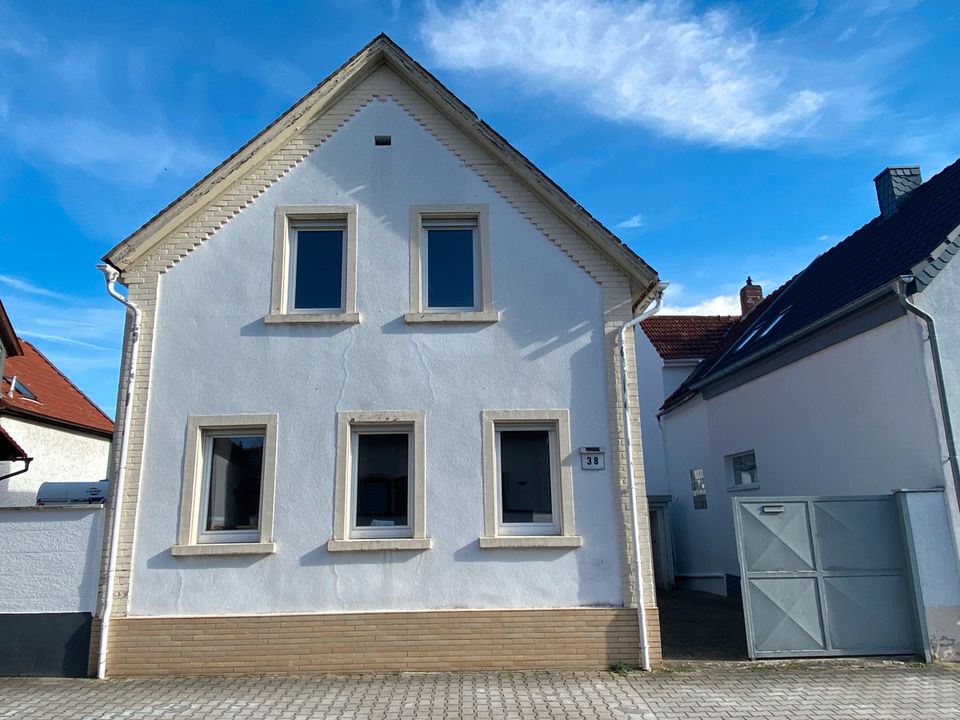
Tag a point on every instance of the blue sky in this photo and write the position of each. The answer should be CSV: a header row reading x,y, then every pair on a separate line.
x,y
717,139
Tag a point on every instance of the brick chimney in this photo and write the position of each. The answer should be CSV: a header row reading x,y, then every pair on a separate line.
x,y
893,185
750,297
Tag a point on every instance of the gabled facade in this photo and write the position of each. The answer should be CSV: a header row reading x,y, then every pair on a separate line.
x,y
373,343
49,430
843,382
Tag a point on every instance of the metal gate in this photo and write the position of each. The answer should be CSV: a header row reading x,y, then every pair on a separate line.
x,y
824,576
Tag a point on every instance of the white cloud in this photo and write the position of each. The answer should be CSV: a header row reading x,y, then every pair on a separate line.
x,y
109,152
634,221
63,340
59,107
718,305
705,77
28,287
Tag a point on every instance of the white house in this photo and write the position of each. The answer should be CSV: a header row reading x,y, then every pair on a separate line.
x,y
53,431
844,382
376,419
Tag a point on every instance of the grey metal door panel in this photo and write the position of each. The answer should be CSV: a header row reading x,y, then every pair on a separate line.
x,y
823,576
786,615
858,535
780,537
868,614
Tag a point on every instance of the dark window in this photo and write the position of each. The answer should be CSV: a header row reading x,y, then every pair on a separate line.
x,y
451,263
236,469
383,461
318,268
525,469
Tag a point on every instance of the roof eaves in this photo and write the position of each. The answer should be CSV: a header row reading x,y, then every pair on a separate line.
x,y
928,268
18,411
18,453
7,335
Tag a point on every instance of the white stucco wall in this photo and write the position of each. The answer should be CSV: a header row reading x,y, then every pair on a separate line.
x,y
50,559
856,418
650,387
58,455
214,355
942,301
657,381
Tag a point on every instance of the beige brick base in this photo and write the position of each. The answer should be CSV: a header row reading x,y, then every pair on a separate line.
x,y
582,638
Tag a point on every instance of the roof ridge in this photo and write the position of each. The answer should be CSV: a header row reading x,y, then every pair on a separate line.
x,y
69,381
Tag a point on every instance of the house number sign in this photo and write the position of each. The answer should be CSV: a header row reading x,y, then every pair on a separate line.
x,y
591,458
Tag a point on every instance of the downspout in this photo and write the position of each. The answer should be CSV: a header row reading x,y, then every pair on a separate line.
x,y
901,286
632,484
110,275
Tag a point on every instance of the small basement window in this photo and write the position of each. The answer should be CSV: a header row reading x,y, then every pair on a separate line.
x,y
698,489
742,471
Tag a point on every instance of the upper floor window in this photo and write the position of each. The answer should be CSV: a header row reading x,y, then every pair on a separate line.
x,y
450,264
315,264
450,268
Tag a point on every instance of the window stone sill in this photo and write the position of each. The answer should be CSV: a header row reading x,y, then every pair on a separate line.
x,y
376,544
319,318
738,488
472,316
531,541
259,548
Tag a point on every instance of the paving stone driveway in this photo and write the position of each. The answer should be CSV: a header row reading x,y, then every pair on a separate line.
x,y
804,692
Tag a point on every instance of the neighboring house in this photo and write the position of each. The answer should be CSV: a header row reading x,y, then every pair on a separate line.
x,y
52,431
374,343
668,350
831,386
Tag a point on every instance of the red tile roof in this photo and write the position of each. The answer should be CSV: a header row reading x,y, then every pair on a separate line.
x,y
686,337
58,400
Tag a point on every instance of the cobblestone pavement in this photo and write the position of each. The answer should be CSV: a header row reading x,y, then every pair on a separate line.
x,y
804,692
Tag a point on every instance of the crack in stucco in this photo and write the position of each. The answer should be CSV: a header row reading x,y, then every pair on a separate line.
x,y
427,371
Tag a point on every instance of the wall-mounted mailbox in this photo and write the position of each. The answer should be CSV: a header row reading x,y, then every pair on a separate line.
x,y
591,458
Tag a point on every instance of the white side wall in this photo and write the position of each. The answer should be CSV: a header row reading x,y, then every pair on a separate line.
x,y
650,387
50,559
657,381
58,455
942,301
856,418
214,355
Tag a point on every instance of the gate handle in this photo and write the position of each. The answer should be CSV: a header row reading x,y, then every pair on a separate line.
x,y
771,509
